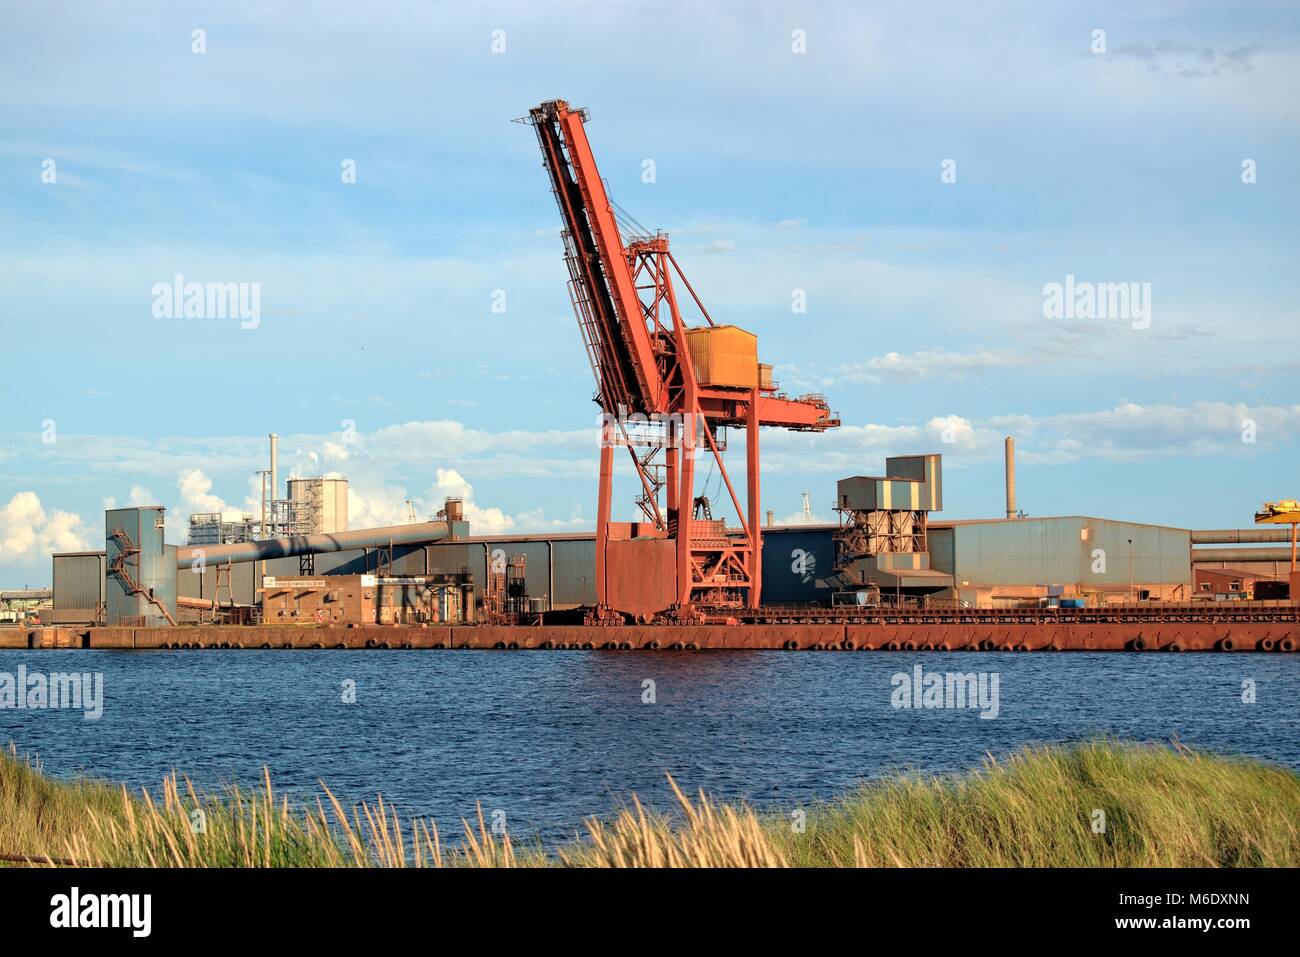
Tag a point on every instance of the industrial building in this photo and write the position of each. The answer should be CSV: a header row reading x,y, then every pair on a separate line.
x,y
78,588
887,549
24,604
978,563
999,562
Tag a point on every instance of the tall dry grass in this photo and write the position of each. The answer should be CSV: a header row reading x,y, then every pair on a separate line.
x,y
1162,807
1169,807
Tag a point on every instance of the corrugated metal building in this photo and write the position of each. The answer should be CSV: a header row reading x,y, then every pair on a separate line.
x,y
559,568
999,561
78,587
798,563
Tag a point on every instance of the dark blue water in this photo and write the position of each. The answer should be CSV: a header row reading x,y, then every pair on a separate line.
x,y
553,737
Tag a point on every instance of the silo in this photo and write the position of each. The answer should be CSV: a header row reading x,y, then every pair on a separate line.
x,y
321,504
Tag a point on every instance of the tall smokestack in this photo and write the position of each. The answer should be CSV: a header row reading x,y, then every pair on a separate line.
x,y
275,449
1011,477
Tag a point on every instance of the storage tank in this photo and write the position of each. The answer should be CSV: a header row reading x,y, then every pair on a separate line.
x,y
325,501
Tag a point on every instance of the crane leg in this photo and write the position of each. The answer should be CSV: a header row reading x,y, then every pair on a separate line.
x,y
603,501
752,490
685,513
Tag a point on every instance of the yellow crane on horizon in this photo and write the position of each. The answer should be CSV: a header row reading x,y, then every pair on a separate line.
x,y
1285,512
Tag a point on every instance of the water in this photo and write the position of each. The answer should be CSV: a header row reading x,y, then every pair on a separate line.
x,y
550,738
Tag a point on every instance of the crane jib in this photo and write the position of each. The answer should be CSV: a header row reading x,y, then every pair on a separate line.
x,y
601,283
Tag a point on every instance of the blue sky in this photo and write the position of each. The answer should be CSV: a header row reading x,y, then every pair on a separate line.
x,y
775,171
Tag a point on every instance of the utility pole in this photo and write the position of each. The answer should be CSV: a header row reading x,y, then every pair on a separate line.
x,y
1132,598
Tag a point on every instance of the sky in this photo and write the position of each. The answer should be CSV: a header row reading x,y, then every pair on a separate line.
x,y
917,174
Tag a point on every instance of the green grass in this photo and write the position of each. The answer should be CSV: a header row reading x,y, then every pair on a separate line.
x,y
1163,806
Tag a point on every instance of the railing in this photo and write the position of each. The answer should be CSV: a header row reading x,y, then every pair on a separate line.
x,y
1155,612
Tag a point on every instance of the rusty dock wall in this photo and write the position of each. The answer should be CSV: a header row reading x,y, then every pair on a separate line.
x,y
1277,631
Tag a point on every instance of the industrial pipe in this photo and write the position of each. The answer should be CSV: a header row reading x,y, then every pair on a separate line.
x,y
1011,476
417,534
205,604
1201,556
26,594
1240,536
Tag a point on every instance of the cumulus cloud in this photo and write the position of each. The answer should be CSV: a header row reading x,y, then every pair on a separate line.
x,y
372,505
196,495
484,521
28,531
954,431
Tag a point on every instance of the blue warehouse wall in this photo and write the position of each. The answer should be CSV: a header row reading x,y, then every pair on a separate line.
x,y
797,566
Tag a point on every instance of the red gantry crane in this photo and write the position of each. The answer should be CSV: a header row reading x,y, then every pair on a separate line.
x,y
667,391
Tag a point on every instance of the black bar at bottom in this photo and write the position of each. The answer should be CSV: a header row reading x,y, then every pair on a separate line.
x,y
333,906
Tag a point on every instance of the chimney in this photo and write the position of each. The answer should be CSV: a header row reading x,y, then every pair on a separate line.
x,y
770,516
1011,477
275,449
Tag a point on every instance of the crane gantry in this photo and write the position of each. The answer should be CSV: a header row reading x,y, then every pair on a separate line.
x,y
687,383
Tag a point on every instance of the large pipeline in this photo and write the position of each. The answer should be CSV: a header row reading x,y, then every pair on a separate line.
x,y
1240,536
26,594
415,534
1201,556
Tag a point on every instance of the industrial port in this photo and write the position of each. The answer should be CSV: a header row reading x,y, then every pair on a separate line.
x,y
690,573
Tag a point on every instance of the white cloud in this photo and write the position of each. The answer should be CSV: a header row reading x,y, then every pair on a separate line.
x,y
196,496
371,505
28,532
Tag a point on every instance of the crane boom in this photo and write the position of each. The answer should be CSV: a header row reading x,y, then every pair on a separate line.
x,y
601,283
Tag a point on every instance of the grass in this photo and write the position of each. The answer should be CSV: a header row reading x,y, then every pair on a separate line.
x,y
1163,807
